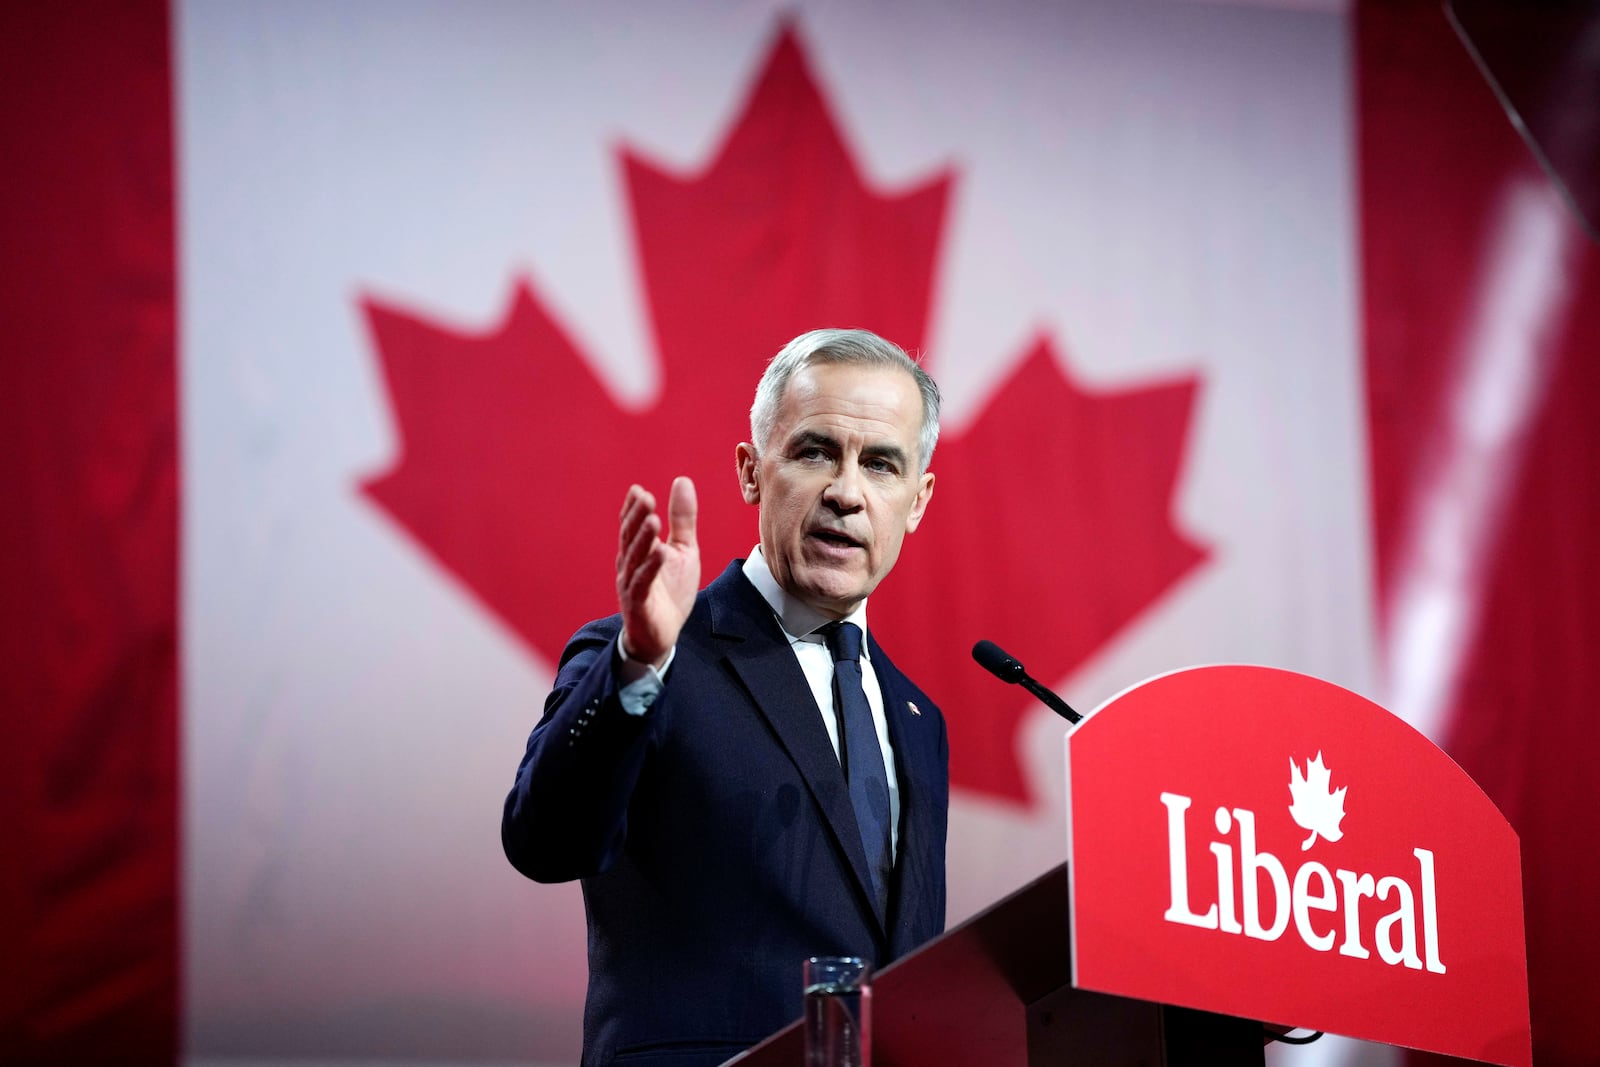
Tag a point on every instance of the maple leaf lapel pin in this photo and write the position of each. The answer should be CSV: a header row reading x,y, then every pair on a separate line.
x,y
1315,807
911,705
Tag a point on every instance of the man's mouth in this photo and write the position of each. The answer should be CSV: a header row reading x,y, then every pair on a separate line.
x,y
835,539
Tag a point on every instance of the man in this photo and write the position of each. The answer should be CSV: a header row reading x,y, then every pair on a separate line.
x,y
735,788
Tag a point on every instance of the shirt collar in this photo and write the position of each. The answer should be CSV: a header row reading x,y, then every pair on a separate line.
x,y
798,619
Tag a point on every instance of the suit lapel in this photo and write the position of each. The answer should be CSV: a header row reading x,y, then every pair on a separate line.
x,y
759,654
915,742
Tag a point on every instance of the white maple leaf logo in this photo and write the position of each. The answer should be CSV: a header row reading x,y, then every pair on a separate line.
x,y
1316,807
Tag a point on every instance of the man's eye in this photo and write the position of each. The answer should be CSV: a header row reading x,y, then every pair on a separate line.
x,y
880,466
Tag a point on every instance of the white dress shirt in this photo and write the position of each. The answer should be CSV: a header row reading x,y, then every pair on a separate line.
x,y
799,623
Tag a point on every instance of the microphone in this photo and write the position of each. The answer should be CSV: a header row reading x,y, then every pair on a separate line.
x,y
992,658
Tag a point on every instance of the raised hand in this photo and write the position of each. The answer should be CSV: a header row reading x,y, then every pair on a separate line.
x,y
656,580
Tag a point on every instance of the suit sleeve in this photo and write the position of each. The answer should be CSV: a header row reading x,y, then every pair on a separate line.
x,y
567,815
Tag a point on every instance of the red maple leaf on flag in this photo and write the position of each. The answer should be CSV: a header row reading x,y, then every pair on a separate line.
x,y
1050,527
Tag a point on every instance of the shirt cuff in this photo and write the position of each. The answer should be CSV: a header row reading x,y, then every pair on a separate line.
x,y
640,682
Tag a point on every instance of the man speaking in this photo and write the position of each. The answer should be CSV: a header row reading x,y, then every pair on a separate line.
x,y
740,775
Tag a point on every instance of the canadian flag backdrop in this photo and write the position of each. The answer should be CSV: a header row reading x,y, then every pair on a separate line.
x,y
334,334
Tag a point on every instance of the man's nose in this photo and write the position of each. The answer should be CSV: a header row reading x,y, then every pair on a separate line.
x,y
844,492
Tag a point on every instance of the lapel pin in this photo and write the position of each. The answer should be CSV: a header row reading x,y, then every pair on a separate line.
x,y
914,708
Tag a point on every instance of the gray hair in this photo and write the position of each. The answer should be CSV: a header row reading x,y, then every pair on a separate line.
x,y
841,346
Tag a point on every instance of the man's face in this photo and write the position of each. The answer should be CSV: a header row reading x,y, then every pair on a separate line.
x,y
838,484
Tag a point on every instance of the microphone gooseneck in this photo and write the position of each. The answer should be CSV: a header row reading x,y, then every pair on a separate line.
x,y
992,658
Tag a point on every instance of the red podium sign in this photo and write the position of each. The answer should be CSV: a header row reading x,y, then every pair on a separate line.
x,y
1259,843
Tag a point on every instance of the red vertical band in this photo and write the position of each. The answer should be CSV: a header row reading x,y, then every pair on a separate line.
x,y
1438,156
88,542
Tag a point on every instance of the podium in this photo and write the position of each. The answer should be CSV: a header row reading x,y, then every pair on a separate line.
x,y
1249,850
996,990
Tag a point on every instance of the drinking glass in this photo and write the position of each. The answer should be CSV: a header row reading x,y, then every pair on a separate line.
x,y
838,998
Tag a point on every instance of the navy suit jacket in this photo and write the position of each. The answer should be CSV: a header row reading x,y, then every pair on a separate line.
x,y
714,835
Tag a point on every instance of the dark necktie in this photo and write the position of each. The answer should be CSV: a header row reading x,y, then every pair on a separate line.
x,y
861,757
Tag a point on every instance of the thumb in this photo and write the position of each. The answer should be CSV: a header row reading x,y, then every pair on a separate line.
x,y
682,509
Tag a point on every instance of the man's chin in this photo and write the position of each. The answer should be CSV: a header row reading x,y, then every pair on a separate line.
x,y
832,590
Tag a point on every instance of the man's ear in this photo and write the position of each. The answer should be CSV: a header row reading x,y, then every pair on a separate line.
x,y
920,505
749,485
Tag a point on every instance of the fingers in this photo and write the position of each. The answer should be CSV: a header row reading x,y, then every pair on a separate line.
x,y
633,585
637,506
639,530
640,543
682,510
